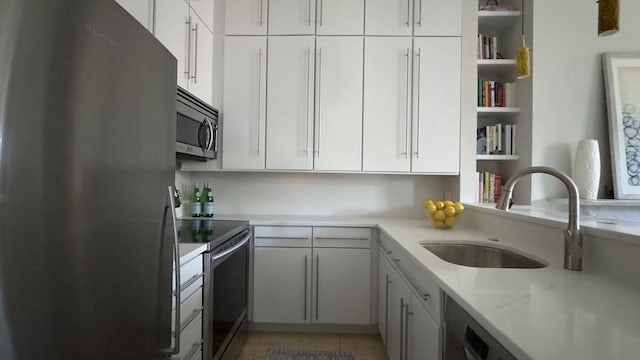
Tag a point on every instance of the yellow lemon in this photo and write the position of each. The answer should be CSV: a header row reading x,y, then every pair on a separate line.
x,y
429,203
440,224
459,208
439,215
448,203
431,208
449,210
450,221
439,205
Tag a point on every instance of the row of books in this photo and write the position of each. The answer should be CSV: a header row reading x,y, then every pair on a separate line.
x,y
489,186
494,94
497,139
488,47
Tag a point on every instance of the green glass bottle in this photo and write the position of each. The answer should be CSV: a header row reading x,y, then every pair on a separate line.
x,y
207,200
196,205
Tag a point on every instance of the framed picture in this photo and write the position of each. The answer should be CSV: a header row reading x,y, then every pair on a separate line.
x,y
622,87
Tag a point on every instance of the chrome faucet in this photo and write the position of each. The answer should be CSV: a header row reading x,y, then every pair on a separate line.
x,y
572,236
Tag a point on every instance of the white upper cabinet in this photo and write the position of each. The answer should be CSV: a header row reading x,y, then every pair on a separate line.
x,y
292,17
243,121
387,97
339,17
142,10
201,69
436,105
290,109
414,17
246,17
389,17
338,103
204,9
438,18
174,32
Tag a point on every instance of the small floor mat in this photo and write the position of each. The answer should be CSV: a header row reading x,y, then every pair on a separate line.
x,y
277,354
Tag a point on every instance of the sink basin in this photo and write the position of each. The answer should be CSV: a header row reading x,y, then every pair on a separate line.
x,y
482,256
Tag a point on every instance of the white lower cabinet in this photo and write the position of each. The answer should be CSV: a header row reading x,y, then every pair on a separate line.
x,y
191,307
297,283
408,329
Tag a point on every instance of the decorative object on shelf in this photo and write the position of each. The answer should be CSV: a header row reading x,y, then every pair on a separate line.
x,y
622,88
608,17
523,65
587,168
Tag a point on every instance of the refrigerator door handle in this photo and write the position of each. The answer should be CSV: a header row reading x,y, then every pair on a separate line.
x,y
175,349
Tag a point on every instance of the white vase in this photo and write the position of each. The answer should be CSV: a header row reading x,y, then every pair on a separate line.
x,y
587,168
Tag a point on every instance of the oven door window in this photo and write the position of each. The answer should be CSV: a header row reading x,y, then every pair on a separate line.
x,y
229,294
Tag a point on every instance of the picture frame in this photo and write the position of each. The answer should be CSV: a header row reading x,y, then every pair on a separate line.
x,y
622,88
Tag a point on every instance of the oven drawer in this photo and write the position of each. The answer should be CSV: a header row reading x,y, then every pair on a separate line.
x,y
347,237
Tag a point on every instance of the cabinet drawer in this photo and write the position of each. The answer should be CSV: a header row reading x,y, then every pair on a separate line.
x,y
282,236
428,286
342,237
189,272
190,309
191,341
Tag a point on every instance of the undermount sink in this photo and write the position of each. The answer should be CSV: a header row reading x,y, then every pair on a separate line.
x,y
482,256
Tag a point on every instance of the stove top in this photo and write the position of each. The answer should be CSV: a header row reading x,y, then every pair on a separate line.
x,y
208,230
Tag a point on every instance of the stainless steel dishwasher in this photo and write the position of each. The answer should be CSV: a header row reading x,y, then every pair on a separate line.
x,y
465,339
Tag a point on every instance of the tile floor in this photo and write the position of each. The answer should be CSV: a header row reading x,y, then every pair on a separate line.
x,y
362,346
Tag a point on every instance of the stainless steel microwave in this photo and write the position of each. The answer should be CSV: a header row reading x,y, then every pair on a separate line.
x,y
196,128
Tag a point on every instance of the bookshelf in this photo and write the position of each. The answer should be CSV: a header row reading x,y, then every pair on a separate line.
x,y
499,36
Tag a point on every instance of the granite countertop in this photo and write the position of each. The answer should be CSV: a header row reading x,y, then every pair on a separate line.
x,y
548,313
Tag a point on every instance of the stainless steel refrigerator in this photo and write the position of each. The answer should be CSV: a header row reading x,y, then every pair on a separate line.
x,y
87,134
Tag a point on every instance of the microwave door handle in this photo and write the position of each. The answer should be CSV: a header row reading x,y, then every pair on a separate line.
x,y
200,145
211,134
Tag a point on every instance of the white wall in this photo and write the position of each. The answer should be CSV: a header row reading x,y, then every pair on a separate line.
x,y
568,88
322,194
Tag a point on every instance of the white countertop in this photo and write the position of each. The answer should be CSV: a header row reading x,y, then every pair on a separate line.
x,y
548,313
189,251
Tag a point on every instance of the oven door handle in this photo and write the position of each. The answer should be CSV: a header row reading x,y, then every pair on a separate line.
x,y
235,247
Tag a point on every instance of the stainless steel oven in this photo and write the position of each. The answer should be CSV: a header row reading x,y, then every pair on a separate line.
x,y
196,128
226,296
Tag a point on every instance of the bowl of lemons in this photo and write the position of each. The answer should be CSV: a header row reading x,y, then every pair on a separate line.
x,y
443,213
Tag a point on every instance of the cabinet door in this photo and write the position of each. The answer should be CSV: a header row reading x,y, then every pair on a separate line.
x,y
399,300
204,9
142,10
388,17
281,285
438,18
243,122
201,77
387,88
292,17
245,17
338,118
342,286
385,281
290,103
423,334
339,17
173,29
436,124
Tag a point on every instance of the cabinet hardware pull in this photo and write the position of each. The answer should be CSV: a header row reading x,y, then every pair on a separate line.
x,y
259,100
195,55
309,13
317,284
190,282
307,107
319,100
340,238
386,310
408,13
406,116
321,11
260,19
420,15
194,350
187,48
188,320
282,237
406,331
402,329
305,288
418,56
424,295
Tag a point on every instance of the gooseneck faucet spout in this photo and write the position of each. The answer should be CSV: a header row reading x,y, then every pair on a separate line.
x,y
572,236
